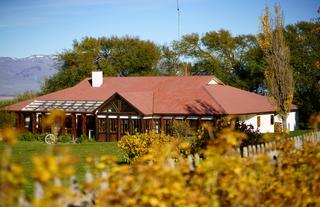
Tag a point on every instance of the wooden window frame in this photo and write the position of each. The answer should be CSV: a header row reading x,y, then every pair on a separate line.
x,y
113,125
272,119
258,121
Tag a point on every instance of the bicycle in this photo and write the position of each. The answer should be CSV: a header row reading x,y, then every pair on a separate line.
x,y
52,139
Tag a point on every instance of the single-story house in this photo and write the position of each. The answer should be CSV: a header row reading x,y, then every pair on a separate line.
x,y
110,107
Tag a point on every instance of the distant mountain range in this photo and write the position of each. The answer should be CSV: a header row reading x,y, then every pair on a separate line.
x,y
18,75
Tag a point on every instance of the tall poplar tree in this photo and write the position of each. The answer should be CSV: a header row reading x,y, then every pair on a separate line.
x,y
279,73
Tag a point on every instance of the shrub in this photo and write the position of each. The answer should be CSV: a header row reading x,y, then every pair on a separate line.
x,y
65,138
40,137
27,136
24,96
85,139
181,129
253,136
199,141
136,145
7,119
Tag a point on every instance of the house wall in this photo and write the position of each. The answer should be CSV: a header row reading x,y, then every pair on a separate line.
x,y
292,121
265,121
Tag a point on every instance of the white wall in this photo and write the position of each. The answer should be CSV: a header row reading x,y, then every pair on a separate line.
x,y
292,121
265,121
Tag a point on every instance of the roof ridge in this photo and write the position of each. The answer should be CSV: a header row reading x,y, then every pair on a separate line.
x,y
163,76
214,99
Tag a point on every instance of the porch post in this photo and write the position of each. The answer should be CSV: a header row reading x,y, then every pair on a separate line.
x,y
130,125
108,129
18,122
22,128
73,125
199,122
143,125
96,127
33,123
162,125
173,120
119,128
43,124
84,124
63,126
151,126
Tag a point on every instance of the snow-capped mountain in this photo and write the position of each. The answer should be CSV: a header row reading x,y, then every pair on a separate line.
x,y
25,74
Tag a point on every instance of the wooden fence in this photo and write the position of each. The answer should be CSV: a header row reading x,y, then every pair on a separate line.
x,y
270,148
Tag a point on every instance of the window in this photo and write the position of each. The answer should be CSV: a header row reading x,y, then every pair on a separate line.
x,y
193,124
258,121
113,125
27,122
102,123
148,125
168,126
118,105
135,123
124,126
156,126
112,107
271,119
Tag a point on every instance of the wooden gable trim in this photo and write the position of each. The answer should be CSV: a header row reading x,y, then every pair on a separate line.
x,y
111,98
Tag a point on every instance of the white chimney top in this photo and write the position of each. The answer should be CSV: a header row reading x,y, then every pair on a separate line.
x,y
97,78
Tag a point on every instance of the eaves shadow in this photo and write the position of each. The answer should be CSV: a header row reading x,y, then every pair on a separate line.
x,y
202,107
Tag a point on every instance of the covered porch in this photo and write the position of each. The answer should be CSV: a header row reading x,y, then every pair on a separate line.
x,y
79,117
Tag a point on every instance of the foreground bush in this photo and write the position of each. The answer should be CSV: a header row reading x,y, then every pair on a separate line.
x,y
163,176
136,145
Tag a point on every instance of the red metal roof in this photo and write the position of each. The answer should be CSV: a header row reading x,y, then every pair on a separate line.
x,y
165,95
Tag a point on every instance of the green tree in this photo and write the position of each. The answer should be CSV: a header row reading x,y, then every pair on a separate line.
x,y
9,118
21,97
279,73
126,56
304,41
233,59
169,61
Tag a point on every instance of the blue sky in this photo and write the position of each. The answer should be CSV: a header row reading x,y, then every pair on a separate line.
x,y
49,26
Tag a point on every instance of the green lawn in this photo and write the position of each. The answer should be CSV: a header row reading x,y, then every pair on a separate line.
x,y
23,152
291,133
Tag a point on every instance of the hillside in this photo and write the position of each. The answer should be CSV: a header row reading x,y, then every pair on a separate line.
x,y
25,74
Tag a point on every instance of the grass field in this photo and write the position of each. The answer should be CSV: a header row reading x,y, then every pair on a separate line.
x,y
291,133
24,151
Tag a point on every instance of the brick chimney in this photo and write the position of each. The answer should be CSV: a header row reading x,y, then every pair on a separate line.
x,y
185,71
97,78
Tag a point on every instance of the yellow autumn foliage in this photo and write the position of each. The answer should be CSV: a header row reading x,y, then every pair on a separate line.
x,y
136,145
9,135
165,173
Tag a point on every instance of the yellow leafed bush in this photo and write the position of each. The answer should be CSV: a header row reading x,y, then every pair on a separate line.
x,y
135,146
165,173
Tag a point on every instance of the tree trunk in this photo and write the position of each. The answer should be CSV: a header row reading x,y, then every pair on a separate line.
x,y
284,123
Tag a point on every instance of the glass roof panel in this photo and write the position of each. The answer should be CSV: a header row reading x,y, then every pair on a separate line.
x,y
70,106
